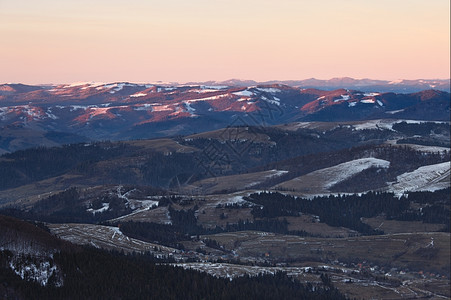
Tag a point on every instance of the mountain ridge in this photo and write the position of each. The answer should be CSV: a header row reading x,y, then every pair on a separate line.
x,y
365,84
124,111
381,85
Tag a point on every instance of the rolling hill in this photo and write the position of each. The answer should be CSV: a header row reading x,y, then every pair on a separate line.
x,y
339,187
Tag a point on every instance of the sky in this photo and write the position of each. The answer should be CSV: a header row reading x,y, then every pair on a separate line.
x,y
54,41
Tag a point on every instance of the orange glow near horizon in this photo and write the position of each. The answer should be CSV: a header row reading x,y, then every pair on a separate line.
x,y
144,41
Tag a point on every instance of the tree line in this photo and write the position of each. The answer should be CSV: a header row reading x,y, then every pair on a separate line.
x,y
347,210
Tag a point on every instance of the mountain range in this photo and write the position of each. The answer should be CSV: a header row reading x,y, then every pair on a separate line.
x,y
333,189
52,115
366,85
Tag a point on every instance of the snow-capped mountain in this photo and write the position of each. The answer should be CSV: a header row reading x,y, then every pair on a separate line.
x,y
128,110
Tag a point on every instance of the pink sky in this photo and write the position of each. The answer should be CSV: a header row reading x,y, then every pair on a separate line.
x,y
53,41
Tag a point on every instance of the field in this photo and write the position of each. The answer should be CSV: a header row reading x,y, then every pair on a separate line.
x,y
355,284
393,226
162,145
106,237
235,182
416,252
27,195
393,266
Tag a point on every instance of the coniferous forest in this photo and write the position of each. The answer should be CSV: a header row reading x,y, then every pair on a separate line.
x,y
95,274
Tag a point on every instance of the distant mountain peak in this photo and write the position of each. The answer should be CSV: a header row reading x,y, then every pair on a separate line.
x,y
364,84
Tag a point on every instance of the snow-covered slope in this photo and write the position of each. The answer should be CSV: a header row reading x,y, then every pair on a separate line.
x,y
320,181
426,178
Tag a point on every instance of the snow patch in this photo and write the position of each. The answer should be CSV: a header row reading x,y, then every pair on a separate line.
x,y
141,205
50,114
234,200
138,95
387,123
343,98
75,84
272,173
276,173
116,87
214,87
39,272
269,90
3,112
207,89
245,93
392,112
105,207
77,107
161,89
202,91
145,107
189,108
429,149
275,100
207,98
375,124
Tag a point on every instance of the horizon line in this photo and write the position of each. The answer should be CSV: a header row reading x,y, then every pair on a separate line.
x,y
162,82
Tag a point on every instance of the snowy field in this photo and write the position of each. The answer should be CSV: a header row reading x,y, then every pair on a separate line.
x,y
106,237
319,181
426,178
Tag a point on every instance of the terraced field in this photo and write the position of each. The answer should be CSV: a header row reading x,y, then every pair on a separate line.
x,y
106,237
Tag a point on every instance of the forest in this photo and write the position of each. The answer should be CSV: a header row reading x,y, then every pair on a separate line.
x,y
83,272
263,148
347,210
89,273
268,213
184,226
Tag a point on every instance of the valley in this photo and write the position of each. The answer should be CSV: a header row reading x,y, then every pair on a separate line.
x,y
344,191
